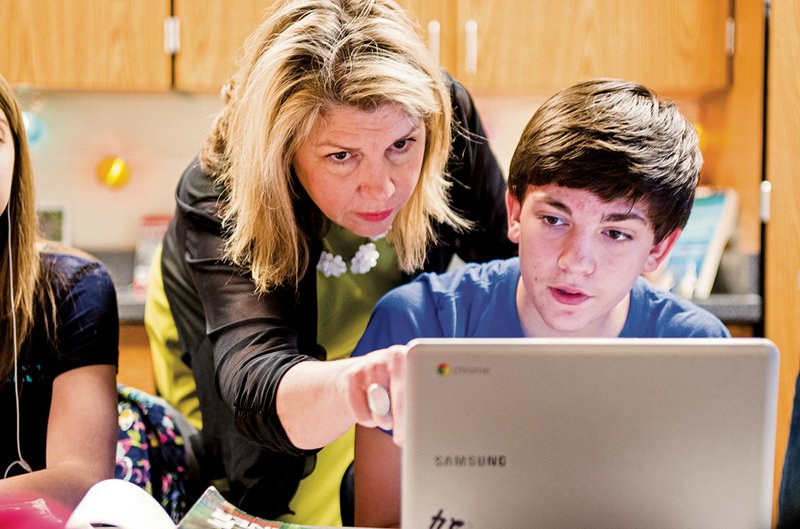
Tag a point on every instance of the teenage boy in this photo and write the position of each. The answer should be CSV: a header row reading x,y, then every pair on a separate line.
x,y
600,186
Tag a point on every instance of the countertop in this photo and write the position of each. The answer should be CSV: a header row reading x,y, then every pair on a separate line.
x,y
734,308
731,308
130,304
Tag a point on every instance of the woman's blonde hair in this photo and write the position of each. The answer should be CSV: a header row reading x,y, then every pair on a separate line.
x,y
20,213
306,57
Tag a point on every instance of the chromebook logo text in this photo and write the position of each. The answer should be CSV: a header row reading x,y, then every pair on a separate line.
x,y
444,369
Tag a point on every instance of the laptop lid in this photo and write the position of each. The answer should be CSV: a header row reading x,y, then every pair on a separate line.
x,y
600,433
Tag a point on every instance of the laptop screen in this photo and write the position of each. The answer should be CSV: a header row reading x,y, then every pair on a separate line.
x,y
556,433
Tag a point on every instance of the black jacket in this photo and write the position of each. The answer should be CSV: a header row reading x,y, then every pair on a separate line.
x,y
240,345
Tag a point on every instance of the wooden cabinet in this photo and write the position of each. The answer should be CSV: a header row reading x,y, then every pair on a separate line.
x,y
524,46
782,237
85,44
441,37
135,363
211,35
501,47
124,45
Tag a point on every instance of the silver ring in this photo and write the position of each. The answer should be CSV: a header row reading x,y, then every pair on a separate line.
x,y
378,399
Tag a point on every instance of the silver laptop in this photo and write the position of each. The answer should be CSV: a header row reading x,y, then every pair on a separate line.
x,y
588,433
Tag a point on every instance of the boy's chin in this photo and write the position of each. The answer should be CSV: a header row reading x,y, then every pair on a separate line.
x,y
570,327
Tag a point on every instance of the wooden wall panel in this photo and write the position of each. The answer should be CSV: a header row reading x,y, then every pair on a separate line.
x,y
782,238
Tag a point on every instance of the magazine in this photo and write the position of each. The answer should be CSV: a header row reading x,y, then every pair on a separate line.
x,y
119,503
212,510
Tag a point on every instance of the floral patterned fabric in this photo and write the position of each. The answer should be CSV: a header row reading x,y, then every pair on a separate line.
x,y
151,451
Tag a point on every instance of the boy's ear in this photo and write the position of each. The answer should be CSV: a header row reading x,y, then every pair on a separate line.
x,y
660,251
514,209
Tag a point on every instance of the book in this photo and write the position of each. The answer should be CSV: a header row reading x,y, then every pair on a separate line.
x,y
119,503
151,232
691,268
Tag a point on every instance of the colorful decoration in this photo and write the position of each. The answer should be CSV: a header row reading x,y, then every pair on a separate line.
x,y
113,171
33,127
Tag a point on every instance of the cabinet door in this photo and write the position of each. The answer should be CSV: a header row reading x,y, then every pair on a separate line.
x,y
85,44
135,362
438,27
212,34
544,45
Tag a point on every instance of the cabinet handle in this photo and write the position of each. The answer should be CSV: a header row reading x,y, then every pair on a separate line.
x,y
172,35
764,202
730,35
434,37
471,47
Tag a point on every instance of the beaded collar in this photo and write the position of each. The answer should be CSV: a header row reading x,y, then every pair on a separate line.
x,y
364,260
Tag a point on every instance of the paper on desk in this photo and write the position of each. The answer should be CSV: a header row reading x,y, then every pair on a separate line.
x,y
119,503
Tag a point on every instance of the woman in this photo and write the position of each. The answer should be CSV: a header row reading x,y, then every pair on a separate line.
x,y
336,132
58,346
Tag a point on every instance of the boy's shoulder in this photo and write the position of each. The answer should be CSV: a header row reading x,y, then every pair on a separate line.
x,y
467,277
470,300
660,314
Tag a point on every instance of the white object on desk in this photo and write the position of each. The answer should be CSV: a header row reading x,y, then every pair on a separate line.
x,y
119,503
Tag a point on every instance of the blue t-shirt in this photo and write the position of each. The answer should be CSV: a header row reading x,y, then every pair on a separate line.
x,y
479,301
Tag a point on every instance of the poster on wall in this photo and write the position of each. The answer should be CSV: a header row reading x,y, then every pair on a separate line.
x,y
54,221
151,231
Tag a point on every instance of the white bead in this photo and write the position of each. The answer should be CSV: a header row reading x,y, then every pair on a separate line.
x,y
365,259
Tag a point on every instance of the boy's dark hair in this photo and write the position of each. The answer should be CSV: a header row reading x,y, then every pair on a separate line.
x,y
618,140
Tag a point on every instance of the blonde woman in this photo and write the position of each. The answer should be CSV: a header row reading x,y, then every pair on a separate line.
x,y
58,347
343,162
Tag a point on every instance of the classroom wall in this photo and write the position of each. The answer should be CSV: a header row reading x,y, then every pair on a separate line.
x,y
157,135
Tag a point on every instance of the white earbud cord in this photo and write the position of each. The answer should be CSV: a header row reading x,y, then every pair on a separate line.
x,y
21,461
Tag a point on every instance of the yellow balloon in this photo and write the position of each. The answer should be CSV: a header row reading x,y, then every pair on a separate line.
x,y
113,172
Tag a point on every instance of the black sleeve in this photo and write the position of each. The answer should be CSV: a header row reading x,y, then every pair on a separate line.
x,y
255,339
789,492
477,192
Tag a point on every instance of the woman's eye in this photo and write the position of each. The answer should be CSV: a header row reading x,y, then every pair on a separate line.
x,y
402,145
339,156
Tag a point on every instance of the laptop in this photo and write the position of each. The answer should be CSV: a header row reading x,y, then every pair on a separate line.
x,y
589,433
